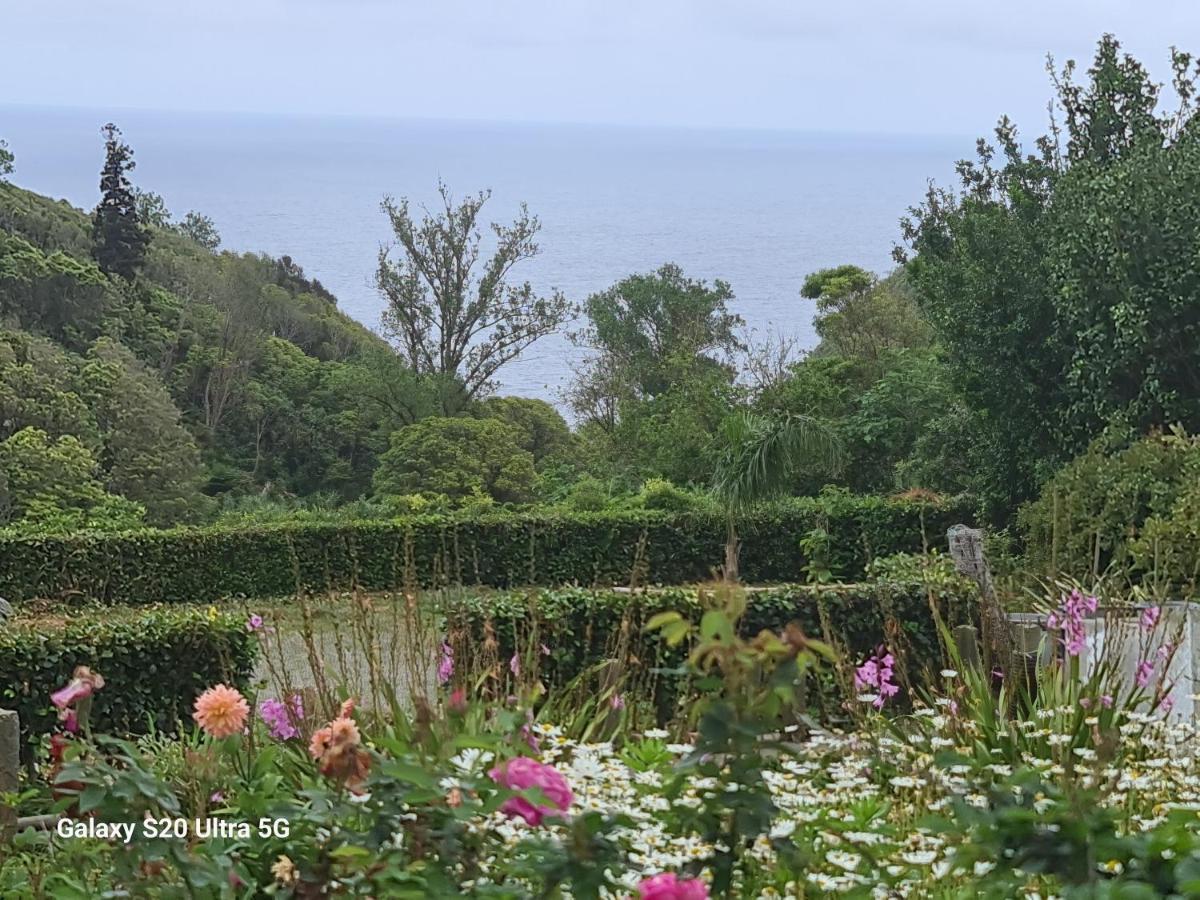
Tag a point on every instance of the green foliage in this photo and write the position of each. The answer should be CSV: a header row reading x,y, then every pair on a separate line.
x,y
581,628
154,664
7,160
646,326
495,548
1091,516
860,317
52,485
542,430
1059,283
658,493
458,458
119,236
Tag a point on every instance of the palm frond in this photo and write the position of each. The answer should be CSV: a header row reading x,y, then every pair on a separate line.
x,y
763,453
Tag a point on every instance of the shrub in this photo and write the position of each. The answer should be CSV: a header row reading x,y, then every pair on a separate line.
x,y
497,549
1089,516
658,493
155,663
580,627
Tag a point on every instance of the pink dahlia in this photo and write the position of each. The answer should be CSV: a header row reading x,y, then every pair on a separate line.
x,y
669,886
221,711
523,773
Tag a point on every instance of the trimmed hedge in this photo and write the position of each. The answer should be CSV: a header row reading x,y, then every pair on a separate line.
x,y
579,626
497,550
154,663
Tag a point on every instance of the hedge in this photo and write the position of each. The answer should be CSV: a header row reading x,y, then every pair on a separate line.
x,y
497,550
578,627
155,663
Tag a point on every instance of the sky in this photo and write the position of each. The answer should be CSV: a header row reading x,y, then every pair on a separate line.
x,y
929,67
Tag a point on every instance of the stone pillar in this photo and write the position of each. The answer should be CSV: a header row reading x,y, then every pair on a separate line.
x,y
10,768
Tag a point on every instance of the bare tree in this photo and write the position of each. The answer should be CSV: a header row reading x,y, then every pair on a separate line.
x,y
768,361
449,322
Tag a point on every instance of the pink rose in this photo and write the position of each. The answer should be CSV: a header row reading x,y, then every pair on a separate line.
x,y
669,886
523,773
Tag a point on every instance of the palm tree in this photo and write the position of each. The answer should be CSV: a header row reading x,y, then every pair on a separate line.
x,y
761,456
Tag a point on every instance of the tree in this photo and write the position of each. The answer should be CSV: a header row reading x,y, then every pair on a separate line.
x,y
41,478
543,431
7,160
449,321
647,326
1061,283
201,229
147,456
859,316
757,462
460,458
119,238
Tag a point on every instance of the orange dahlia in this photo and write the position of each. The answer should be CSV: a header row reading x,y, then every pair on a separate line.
x,y
221,711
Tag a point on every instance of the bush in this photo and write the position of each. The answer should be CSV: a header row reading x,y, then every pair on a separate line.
x,y
658,493
154,662
496,549
1090,515
580,627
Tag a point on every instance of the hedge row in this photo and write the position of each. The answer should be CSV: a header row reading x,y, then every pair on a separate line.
x,y
578,627
497,550
155,663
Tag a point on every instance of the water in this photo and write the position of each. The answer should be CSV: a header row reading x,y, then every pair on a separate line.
x,y
757,209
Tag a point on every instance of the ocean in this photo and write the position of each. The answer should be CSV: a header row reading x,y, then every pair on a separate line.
x,y
758,209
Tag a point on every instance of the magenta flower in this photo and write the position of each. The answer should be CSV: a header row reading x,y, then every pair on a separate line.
x,y
1144,670
446,666
254,623
1069,617
1106,701
1150,616
1168,704
875,676
523,773
669,886
282,723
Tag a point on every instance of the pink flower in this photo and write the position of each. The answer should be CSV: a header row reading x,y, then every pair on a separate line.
x,y
523,773
1168,703
1150,617
1144,670
669,886
875,676
221,711
514,665
1069,619
281,721
1106,701
458,701
254,623
84,682
446,666
618,701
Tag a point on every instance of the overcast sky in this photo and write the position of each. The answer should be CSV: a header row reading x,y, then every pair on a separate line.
x,y
933,67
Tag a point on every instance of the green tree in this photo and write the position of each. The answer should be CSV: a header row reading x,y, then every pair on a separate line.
x,y
119,238
1060,283
860,317
645,328
147,456
452,323
543,431
201,229
460,458
42,477
7,160
757,462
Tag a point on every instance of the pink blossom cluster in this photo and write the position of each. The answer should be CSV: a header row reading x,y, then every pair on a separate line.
x,y
523,773
445,670
1069,619
282,718
875,676
669,886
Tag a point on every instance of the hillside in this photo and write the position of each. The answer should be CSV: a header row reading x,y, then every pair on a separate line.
x,y
208,374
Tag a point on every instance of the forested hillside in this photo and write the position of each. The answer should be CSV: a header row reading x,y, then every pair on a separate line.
x,y
208,373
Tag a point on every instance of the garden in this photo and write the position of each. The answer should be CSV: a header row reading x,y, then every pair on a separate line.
x,y
804,735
